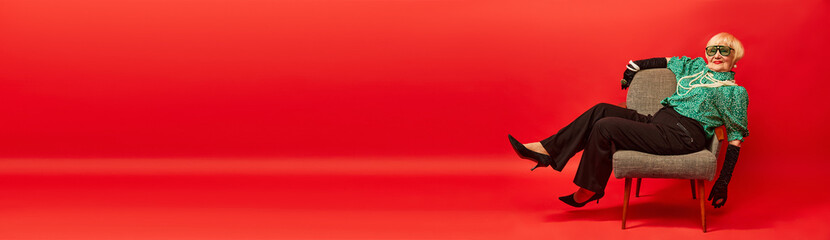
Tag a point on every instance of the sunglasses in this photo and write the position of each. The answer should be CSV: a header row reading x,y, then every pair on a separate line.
x,y
724,50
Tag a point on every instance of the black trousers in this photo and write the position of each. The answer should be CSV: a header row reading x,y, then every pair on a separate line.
x,y
606,128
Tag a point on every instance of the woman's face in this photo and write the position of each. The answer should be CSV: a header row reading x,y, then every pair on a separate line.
x,y
717,61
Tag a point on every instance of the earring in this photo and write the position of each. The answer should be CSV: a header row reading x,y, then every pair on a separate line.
x,y
735,66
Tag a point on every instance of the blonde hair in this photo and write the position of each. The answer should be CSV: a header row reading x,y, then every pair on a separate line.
x,y
728,40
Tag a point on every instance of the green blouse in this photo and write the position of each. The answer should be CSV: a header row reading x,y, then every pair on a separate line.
x,y
711,106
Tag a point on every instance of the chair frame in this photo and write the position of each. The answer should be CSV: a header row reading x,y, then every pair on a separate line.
x,y
698,185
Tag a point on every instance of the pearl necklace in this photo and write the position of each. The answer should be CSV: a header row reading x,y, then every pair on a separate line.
x,y
701,76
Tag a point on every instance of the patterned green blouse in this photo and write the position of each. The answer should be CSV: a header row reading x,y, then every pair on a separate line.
x,y
711,106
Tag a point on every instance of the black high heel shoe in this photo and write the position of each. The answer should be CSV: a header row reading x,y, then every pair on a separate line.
x,y
541,160
570,199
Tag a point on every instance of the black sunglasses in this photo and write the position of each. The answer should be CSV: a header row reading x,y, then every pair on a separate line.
x,y
724,50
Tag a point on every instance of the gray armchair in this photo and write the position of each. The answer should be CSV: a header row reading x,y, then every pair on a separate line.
x,y
647,89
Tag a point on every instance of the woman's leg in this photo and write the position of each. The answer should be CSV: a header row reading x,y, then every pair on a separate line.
x,y
662,137
572,138
536,147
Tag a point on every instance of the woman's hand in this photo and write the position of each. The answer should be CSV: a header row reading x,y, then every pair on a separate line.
x,y
718,193
628,75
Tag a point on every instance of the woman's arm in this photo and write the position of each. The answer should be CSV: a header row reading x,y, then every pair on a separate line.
x,y
635,66
734,115
719,189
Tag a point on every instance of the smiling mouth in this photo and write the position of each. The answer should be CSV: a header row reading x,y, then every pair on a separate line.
x,y
718,62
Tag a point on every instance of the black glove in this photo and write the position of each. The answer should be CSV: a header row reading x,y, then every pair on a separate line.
x,y
718,193
635,66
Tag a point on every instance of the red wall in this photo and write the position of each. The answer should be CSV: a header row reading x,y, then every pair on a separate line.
x,y
184,78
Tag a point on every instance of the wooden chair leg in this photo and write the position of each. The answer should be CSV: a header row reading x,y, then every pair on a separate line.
x,y
693,187
701,195
639,181
626,194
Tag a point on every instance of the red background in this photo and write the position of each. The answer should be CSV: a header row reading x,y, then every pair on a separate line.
x,y
394,80
354,78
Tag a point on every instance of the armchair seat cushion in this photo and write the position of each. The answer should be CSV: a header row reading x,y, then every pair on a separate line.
x,y
634,164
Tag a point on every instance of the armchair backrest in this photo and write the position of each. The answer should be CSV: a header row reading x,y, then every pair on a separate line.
x,y
649,87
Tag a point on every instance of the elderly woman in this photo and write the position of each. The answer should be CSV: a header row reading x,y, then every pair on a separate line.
x,y
706,98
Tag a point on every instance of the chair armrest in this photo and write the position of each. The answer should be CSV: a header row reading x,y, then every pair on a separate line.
x,y
720,133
